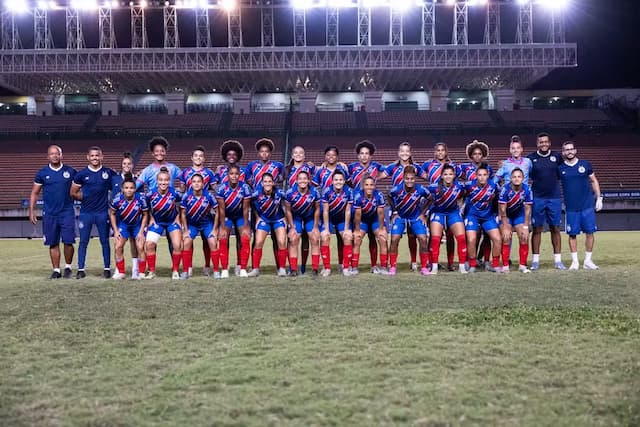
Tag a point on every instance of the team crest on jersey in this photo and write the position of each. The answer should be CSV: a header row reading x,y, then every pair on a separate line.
x,y
552,158
105,175
581,169
65,174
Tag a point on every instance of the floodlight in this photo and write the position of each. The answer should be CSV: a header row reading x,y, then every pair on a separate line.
x,y
42,4
53,5
341,3
373,3
302,4
143,3
523,2
477,2
115,3
451,2
203,4
555,4
228,5
401,5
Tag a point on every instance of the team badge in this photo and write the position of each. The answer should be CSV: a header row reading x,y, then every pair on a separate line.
x,y
65,174
552,158
105,175
581,169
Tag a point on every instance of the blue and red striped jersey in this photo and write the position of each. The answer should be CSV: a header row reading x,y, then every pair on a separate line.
x,y
302,205
369,205
323,178
338,201
129,212
208,177
445,199
431,171
515,200
256,170
479,200
198,209
163,207
268,207
233,198
292,176
357,171
408,204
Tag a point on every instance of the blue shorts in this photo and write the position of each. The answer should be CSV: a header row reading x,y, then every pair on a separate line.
x,y
303,224
335,226
268,225
234,222
580,221
474,223
128,231
59,226
196,229
159,227
546,211
446,219
369,226
415,225
515,219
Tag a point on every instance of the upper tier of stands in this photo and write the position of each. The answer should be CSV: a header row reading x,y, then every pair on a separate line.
x,y
422,120
140,123
72,123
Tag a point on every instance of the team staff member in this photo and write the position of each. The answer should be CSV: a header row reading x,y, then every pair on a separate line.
x,y
58,216
579,185
547,203
91,186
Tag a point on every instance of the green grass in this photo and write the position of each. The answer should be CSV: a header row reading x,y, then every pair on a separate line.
x,y
549,348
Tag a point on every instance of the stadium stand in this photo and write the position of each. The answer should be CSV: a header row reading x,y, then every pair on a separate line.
x,y
18,124
323,121
556,118
423,120
138,123
264,122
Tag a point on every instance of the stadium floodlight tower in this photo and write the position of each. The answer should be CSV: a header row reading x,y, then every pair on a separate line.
x,y
10,36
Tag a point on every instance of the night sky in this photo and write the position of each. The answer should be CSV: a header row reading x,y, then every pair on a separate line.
x,y
606,32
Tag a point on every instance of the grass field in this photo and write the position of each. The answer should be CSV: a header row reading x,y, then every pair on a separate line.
x,y
549,348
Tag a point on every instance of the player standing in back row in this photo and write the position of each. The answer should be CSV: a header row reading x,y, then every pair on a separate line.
x,y
547,204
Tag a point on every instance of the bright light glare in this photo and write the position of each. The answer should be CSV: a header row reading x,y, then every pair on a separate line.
x,y
42,4
115,3
341,3
203,3
16,6
373,3
476,2
523,1
451,2
302,4
228,5
402,5
555,4
84,4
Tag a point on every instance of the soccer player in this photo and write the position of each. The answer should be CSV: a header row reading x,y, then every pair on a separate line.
x,y
336,212
579,184
158,146
396,171
445,214
129,215
257,168
431,171
547,204
369,205
231,152
116,186
164,206
302,210
91,186
477,153
408,202
208,178
267,201
514,205
58,216
296,165
234,201
515,161
196,214
481,215
357,171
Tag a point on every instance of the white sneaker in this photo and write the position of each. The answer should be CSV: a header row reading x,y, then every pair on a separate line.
x,y
463,269
574,265
150,275
237,270
354,271
347,272
523,269
375,270
184,275
216,275
282,272
254,273
589,266
205,270
505,269
383,271
326,272
175,276
136,275
414,266
434,268
224,274
118,276
243,273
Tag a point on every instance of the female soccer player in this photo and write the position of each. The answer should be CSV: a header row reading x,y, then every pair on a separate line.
x,y
368,205
196,215
129,215
481,215
409,205
234,201
515,161
299,164
445,214
302,210
267,203
336,211
477,153
514,204
396,171
164,205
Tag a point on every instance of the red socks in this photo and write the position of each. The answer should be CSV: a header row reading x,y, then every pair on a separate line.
x,y
413,248
245,247
348,253
393,259
151,260
435,248
215,259
175,261
120,265
473,262
424,259
142,265
462,249
282,258
187,260
355,260
326,256
383,260
495,261
224,253
293,263
256,258
315,261
506,252
524,253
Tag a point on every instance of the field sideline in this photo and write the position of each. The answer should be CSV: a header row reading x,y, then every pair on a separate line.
x,y
548,348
